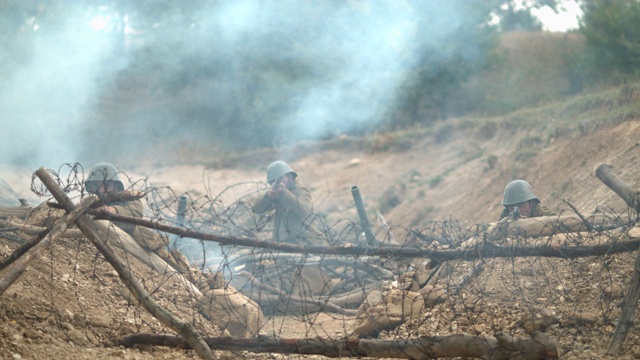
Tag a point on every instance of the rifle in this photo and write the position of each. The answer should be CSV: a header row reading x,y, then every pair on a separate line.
x,y
515,214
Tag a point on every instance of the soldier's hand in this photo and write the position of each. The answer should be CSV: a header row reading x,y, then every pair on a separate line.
x,y
274,192
109,209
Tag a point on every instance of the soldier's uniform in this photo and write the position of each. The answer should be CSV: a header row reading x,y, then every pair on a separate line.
x,y
293,209
106,175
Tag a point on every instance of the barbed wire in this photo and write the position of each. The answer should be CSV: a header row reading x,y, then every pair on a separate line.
x,y
575,297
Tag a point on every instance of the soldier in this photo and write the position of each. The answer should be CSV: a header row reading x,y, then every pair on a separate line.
x,y
103,180
520,203
291,202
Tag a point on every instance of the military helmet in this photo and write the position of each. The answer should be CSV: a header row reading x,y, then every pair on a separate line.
x,y
103,173
518,191
277,169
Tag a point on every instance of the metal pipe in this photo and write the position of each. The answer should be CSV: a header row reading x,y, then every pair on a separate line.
x,y
182,209
362,214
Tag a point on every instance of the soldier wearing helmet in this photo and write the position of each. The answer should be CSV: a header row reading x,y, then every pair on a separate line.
x,y
520,202
291,202
104,179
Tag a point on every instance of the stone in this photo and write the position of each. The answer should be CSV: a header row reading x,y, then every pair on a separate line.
x,y
231,310
100,321
422,270
312,280
634,232
395,308
433,294
538,320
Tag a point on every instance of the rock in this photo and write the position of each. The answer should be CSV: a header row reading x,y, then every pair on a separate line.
x,y
634,232
395,308
406,282
32,334
373,299
422,270
77,337
538,320
433,294
44,215
231,310
181,260
612,292
100,321
313,280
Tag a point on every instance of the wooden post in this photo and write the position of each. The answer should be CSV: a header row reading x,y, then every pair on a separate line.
x,y
184,329
628,313
502,346
626,192
58,229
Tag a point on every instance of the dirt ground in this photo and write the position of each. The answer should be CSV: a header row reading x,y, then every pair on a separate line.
x,y
71,304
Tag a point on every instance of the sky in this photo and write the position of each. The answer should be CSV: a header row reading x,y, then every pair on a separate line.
x,y
564,20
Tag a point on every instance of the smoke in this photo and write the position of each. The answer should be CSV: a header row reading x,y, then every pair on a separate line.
x,y
45,95
261,70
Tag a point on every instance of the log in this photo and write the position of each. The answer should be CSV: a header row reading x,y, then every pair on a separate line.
x,y
628,313
35,230
550,225
36,251
21,250
626,192
532,227
125,195
18,211
432,347
184,329
121,239
630,302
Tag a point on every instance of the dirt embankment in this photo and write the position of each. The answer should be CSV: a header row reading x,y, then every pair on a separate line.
x,y
71,304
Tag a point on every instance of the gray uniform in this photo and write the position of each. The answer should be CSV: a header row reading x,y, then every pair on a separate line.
x,y
293,215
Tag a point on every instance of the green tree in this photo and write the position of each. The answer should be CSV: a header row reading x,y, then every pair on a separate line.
x,y
612,30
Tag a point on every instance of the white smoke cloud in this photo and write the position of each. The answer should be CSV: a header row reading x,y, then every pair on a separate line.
x,y
343,62
44,100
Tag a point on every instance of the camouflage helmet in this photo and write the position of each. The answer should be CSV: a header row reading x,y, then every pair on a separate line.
x,y
277,169
518,191
103,173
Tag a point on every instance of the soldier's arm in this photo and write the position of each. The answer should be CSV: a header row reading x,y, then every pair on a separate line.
x,y
298,201
130,208
263,204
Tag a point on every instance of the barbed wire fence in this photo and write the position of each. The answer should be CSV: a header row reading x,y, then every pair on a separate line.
x,y
420,293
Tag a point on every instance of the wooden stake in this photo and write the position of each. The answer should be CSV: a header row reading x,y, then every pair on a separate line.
x,y
626,192
58,229
184,329
628,312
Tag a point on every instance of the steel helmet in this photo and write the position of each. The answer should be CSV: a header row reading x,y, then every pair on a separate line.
x,y
518,191
277,169
103,173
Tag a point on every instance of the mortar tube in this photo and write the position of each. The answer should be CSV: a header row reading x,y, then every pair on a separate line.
x,y
362,214
182,209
